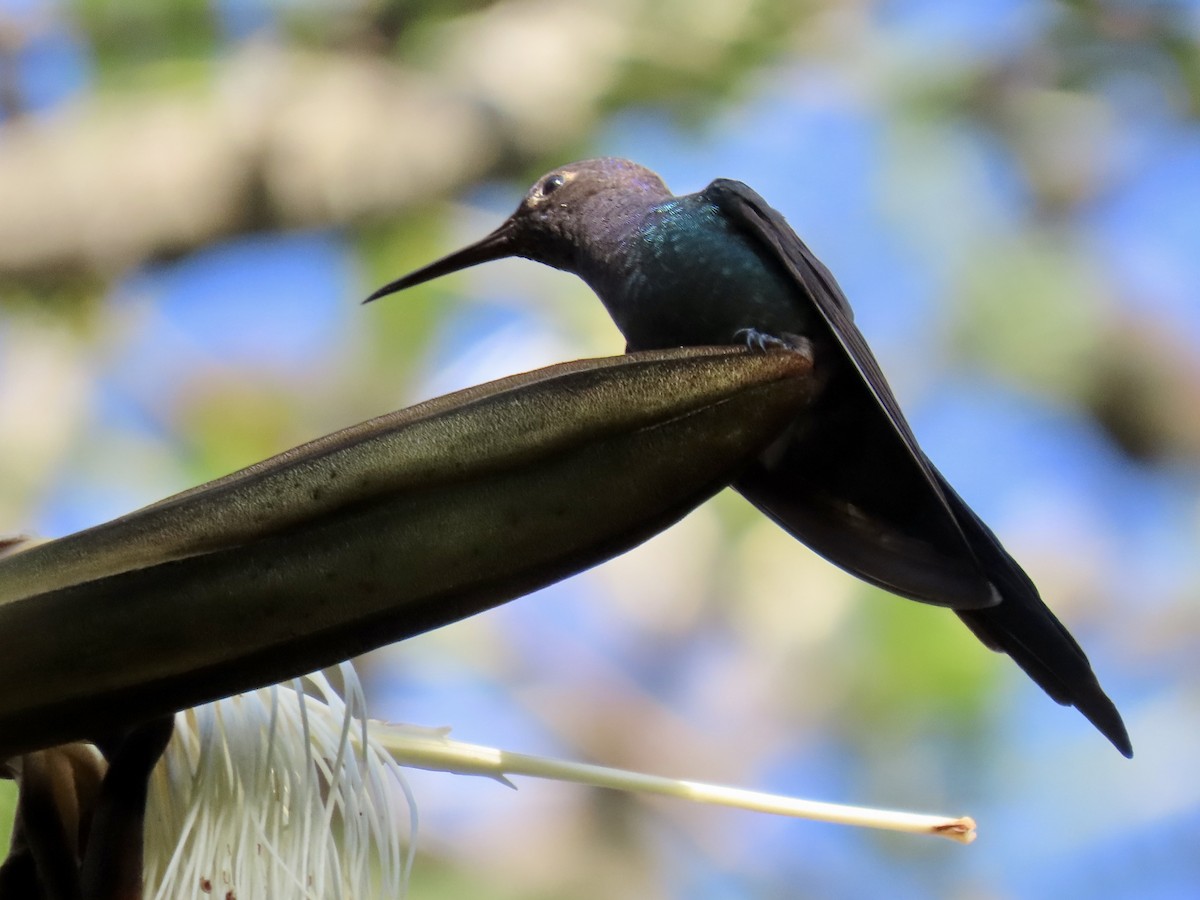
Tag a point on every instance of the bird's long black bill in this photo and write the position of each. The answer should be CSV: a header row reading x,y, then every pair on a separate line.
x,y
496,245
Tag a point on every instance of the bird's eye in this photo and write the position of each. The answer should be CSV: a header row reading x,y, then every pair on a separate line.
x,y
552,183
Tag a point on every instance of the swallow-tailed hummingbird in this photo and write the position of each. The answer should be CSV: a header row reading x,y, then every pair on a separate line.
x,y
848,479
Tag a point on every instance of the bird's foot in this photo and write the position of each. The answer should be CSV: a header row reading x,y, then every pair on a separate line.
x,y
761,340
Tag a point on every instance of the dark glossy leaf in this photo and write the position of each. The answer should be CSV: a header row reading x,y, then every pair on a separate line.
x,y
373,534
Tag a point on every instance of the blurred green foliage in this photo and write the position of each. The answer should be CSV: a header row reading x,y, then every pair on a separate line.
x,y
8,809
1021,299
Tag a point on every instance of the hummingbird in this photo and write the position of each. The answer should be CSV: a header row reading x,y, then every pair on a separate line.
x,y
848,478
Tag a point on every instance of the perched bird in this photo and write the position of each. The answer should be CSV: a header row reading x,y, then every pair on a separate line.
x,y
848,479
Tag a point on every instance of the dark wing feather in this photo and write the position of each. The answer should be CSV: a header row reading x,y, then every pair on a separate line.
x,y
894,489
856,487
767,226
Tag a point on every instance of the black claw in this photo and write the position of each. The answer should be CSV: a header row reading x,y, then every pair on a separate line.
x,y
760,340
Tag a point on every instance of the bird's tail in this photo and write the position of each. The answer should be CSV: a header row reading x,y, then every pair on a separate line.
x,y
876,514
1022,626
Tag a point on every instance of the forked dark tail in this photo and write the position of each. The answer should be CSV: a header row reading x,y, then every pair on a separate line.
x,y
848,488
1022,626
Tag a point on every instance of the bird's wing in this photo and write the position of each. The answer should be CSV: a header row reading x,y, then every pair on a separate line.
x,y
749,211
1016,622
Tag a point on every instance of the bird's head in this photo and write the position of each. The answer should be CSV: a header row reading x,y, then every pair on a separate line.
x,y
565,211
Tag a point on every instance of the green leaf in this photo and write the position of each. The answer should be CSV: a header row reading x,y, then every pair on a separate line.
x,y
375,533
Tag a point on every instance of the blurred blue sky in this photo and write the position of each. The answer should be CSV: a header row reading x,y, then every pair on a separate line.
x,y
817,147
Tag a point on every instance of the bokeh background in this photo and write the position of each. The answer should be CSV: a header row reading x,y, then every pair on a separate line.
x,y
195,195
